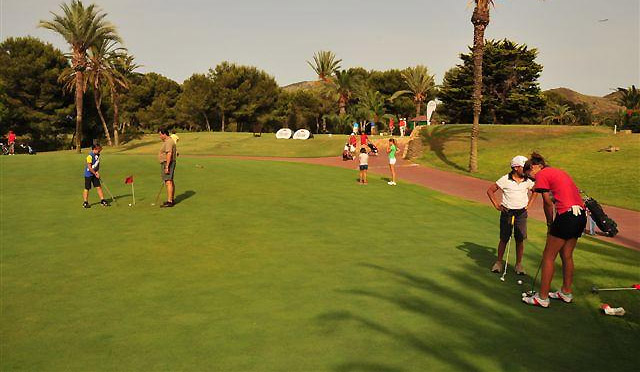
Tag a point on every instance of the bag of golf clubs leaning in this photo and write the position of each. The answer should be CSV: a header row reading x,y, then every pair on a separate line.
x,y
608,226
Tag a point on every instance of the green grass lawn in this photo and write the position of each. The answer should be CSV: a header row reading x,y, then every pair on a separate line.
x,y
271,266
244,144
612,178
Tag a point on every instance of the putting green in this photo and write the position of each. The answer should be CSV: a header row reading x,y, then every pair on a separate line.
x,y
269,266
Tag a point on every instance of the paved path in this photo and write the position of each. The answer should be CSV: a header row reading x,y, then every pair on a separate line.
x,y
470,188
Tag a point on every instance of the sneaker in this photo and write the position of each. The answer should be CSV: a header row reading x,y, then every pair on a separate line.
x,y
520,270
497,267
86,205
535,301
167,204
559,295
104,203
390,183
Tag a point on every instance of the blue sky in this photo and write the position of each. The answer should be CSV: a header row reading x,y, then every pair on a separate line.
x,y
179,38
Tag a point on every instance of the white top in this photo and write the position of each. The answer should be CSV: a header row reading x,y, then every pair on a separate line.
x,y
514,195
364,158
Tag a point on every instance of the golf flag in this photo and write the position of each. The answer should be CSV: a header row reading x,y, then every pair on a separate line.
x,y
127,181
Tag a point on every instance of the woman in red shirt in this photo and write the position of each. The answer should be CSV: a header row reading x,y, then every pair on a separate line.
x,y
563,230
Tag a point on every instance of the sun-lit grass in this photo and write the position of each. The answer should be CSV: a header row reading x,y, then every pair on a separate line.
x,y
610,177
243,144
274,266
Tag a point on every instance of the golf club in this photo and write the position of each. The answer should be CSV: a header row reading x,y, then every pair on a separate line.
x,y
506,260
158,195
531,292
108,191
633,287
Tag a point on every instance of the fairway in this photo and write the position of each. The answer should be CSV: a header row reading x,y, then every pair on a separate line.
x,y
274,266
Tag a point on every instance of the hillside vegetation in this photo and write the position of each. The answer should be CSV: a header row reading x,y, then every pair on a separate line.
x,y
611,177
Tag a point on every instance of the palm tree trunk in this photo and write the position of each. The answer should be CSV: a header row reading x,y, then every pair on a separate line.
x,y
116,118
342,103
79,103
480,20
418,109
223,121
98,101
206,119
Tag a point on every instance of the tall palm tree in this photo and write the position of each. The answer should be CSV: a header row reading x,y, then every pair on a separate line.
x,y
81,27
421,85
480,20
325,64
371,104
101,71
124,69
343,83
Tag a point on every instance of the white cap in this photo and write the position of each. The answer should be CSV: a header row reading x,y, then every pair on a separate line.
x,y
518,161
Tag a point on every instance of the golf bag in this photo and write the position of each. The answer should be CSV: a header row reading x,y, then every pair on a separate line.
x,y
5,149
346,155
373,149
608,226
29,149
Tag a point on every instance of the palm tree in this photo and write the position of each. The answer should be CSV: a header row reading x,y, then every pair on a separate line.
x,y
629,97
560,114
81,27
100,71
123,69
371,105
480,20
421,85
343,83
325,64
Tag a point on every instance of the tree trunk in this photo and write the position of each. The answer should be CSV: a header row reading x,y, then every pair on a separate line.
x,y
480,20
97,99
206,119
116,118
342,103
418,104
79,103
223,121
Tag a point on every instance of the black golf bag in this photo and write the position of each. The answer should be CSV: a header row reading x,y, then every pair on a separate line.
x,y
29,150
5,148
608,226
373,149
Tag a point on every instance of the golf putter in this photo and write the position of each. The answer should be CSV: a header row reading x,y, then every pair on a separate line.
x,y
158,194
506,260
109,191
633,287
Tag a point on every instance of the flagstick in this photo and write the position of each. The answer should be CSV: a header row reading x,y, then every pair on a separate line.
x,y
133,194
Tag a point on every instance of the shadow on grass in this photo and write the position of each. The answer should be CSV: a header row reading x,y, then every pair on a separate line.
x,y
482,255
184,196
438,137
470,321
136,145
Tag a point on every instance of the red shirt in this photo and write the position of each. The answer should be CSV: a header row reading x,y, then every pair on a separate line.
x,y
353,141
12,137
363,139
561,185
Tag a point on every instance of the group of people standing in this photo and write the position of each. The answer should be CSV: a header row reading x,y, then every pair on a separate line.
x,y
520,187
166,157
368,148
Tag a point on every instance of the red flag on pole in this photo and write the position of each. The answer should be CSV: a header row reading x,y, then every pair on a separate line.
x,y
128,180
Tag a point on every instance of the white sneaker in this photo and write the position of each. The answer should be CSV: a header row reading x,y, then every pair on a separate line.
x,y
390,183
535,300
559,295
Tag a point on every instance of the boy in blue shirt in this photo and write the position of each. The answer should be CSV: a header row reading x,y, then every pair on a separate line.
x,y
92,176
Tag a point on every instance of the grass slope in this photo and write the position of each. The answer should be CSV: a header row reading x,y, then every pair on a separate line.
x,y
245,144
612,178
268,266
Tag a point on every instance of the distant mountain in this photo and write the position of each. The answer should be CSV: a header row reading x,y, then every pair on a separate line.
x,y
599,105
303,85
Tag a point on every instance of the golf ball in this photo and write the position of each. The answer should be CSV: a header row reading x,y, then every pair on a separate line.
x,y
129,204
519,281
